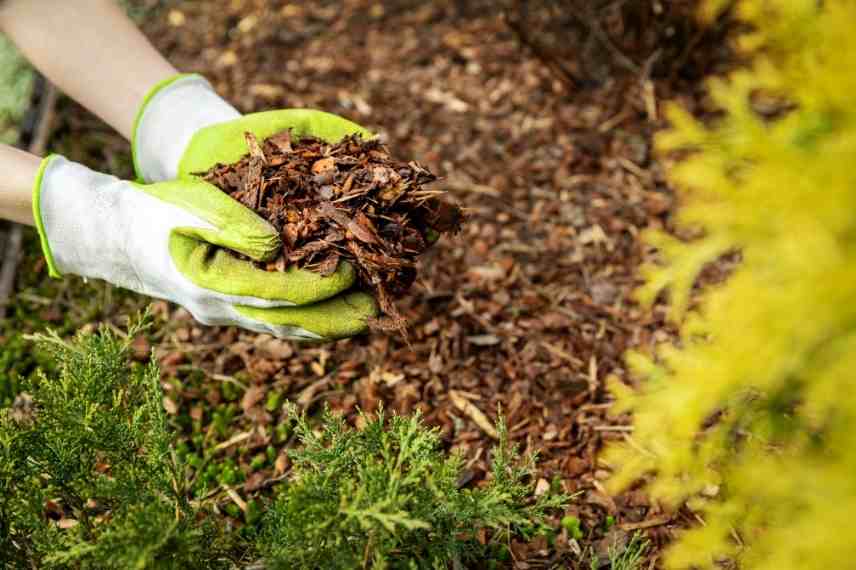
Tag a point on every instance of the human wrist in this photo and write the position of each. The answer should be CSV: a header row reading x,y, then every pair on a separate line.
x,y
172,112
19,171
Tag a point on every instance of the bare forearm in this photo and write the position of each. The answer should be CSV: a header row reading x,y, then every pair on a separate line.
x,y
19,170
90,50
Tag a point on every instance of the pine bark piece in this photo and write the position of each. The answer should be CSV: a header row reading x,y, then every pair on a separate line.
x,y
257,161
348,201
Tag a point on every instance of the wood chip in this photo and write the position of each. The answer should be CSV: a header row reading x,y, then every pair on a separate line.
x,y
470,410
382,223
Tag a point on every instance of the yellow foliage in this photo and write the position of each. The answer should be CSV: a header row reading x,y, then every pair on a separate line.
x,y
771,353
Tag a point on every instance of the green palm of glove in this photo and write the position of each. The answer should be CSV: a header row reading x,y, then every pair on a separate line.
x,y
228,284
321,305
225,142
169,240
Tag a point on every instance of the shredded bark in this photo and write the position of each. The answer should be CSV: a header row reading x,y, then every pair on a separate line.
x,y
348,201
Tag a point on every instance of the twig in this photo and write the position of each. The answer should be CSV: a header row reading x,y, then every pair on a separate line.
x,y
229,491
230,380
475,414
35,299
46,115
4,234
307,395
652,522
614,428
236,498
234,440
15,239
270,482
209,495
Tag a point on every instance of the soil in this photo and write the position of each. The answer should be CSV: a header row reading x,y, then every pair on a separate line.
x,y
340,201
539,120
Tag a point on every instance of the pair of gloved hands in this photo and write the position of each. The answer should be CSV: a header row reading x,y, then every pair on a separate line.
x,y
164,237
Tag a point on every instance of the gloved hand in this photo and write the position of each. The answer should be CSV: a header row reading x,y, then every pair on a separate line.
x,y
184,127
160,239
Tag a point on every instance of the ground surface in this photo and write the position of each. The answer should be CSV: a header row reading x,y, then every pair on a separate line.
x,y
529,309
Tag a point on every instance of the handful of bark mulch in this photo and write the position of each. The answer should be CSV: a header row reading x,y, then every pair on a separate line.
x,y
345,201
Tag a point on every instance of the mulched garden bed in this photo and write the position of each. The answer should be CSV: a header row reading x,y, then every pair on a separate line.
x,y
530,308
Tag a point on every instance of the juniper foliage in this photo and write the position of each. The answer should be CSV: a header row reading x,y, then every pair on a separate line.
x,y
755,401
385,496
87,477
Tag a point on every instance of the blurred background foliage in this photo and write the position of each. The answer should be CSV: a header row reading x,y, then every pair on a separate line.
x,y
749,417
16,79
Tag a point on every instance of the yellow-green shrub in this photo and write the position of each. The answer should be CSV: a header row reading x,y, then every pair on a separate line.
x,y
759,397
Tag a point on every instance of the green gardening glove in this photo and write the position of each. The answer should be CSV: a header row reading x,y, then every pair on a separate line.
x,y
182,128
166,240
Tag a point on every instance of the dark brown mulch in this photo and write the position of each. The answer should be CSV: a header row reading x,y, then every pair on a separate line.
x,y
531,308
342,201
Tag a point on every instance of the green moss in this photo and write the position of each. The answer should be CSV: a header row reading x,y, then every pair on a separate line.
x,y
274,401
573,526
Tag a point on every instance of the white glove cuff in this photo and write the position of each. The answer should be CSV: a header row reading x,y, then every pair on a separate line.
x,y
74,211
169,117
95,225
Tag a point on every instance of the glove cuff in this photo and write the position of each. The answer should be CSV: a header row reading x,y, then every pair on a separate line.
x,y
172,112
80,215
53,271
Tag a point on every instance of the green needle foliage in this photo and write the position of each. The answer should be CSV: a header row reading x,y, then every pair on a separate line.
x,y
756,401
90,479
631,556
386,497
92,449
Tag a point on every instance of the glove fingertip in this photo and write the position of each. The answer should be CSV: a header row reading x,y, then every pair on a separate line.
x,y
341,317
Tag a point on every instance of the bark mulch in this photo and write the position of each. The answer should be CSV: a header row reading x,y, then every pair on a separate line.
x,y
343,201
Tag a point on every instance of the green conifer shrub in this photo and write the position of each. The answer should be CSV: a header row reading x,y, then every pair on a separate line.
x,y
90,478
92,442
754,405
386,497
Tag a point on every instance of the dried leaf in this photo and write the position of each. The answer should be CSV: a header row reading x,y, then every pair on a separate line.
x,y
281,464
484,339
67,523
253,183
